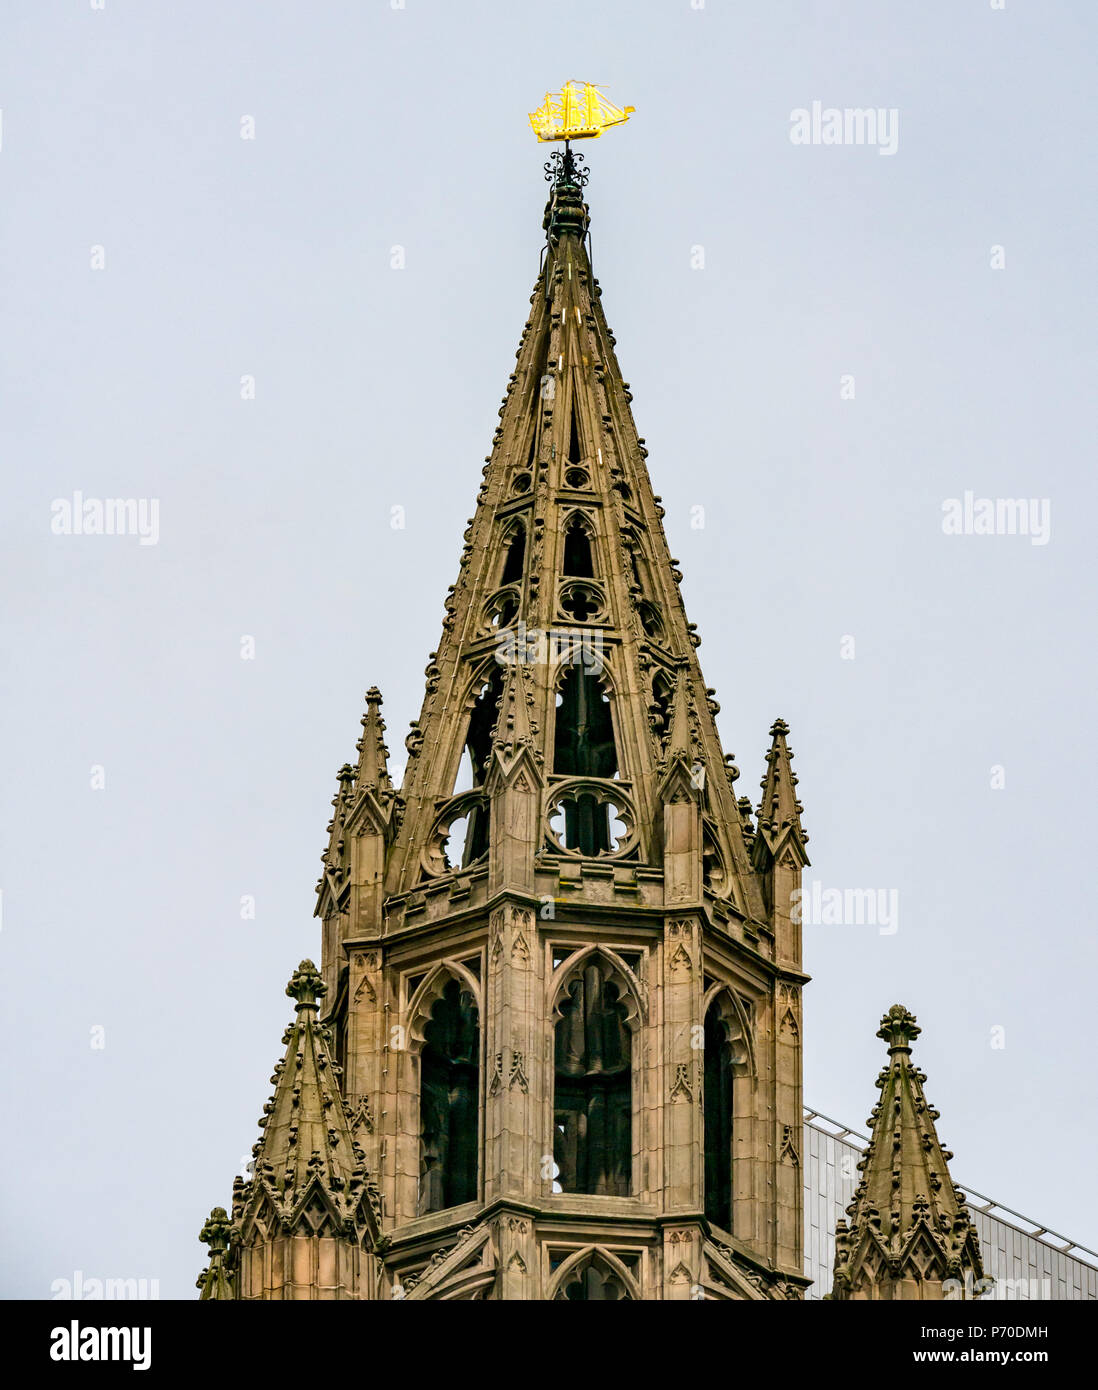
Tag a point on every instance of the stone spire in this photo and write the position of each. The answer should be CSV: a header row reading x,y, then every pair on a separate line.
x,y
779,814
910,1231
562,893
778,848
567,538
373,756
307,1222
215,1280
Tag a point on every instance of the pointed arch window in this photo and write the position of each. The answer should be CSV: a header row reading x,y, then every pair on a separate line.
x,y
449,1101
717,1099
478,749
583,742
592,1103
515,557
579,560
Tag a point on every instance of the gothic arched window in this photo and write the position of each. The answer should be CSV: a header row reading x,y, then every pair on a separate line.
x,y
592,1104
717,1095
583,744
516,555
449,1101
579,561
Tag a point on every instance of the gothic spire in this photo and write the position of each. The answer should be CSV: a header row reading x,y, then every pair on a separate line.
x,y
910,1229
373,764
215,1281
308,1158
779,813
567,545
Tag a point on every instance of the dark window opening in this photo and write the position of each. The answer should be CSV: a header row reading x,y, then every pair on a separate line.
x,y
478,746
649,620
589,824
662,696
718,1120
449,1102
516,556
584,739
578,560
576,478
592,1107
482,721
591,1284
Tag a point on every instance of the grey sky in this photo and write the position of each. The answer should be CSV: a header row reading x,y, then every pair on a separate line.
x,y
376,388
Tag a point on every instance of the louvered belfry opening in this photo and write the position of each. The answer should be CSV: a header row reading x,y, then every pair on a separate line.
x,y
449,1102
592,1106
718,1120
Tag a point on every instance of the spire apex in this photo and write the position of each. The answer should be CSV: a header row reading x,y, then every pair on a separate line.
x,y
215,1232
306,986
566,211
898,1029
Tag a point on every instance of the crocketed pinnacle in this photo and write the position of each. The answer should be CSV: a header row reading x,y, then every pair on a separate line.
x,y
907,1220
779,813
373,756
215,1281
308,1148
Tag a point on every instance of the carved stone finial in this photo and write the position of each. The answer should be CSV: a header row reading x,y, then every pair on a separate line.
x,y
306,986
215,1233
898,1029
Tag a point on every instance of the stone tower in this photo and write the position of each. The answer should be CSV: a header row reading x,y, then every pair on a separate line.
x,y
910,1235
562,973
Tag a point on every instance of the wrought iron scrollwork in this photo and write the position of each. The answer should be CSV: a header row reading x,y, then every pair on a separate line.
x,y
563,166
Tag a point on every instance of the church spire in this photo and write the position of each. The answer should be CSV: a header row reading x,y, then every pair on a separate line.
x,y
306,1222
373,756
910,1234
215,1281
779,814
527,946
566,548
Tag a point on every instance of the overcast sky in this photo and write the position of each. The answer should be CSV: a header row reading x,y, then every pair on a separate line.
x,y
848,352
